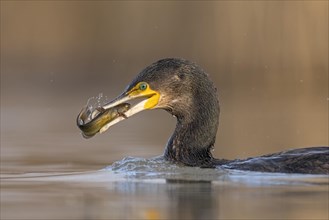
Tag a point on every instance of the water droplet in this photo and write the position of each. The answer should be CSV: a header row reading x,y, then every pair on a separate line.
x,y
80,121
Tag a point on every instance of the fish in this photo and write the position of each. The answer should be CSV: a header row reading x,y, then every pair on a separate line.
x,y
91,122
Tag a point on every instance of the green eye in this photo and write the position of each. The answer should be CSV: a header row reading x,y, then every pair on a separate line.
x,y
143,86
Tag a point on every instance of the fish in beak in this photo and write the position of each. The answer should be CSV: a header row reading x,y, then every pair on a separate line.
x,y
91,121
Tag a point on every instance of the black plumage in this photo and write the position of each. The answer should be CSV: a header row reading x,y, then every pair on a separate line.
x,y
188,94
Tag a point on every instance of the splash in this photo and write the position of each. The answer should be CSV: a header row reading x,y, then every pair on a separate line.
x,y
159,168
97,101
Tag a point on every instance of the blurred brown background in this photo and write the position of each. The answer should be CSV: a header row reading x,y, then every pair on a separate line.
x,y
269,60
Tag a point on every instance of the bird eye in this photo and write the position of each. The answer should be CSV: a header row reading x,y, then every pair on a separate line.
x,y
143,86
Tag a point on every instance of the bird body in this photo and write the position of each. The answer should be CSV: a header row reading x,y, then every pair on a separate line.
x,y
184,90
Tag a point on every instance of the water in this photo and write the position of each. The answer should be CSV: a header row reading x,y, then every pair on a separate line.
x,y
139,188
48,171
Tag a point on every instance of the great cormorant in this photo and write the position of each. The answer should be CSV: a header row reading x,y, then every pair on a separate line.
x,y
184,90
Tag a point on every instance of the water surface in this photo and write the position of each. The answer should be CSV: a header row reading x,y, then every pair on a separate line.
x,y
137,188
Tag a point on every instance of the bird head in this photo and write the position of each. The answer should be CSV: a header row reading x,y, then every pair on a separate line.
x,y
175,85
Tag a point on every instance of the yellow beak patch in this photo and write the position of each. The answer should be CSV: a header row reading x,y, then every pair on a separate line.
x,y
143,89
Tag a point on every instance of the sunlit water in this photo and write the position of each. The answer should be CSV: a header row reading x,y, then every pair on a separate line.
x,y
139,188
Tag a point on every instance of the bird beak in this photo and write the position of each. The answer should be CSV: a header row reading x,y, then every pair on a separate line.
x,y
149,100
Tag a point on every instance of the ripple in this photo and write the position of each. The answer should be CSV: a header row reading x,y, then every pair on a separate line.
x,y
157,167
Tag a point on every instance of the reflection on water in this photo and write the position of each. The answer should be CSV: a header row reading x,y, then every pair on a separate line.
x,y
136,188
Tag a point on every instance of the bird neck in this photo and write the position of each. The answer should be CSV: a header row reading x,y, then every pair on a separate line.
x,y
193,139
